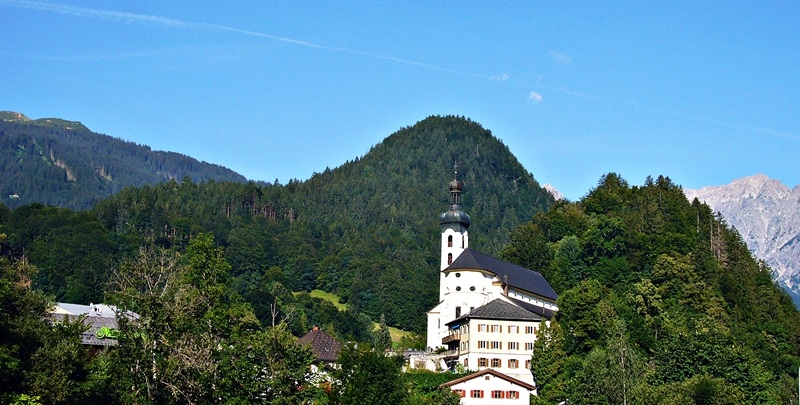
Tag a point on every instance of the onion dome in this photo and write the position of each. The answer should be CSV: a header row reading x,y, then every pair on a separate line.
x,y
455,218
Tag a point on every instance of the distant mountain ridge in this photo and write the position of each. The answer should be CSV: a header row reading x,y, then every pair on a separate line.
x,y
767,215
59,162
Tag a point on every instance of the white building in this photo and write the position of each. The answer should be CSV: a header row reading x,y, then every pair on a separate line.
x,y
488,310
497,336
491,387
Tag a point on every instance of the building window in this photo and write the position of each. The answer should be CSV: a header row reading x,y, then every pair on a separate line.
x,y
496,363
483,362
497,394
497,329
458,288
450,241
513,345
513,363
529,346
528,364
450,260
482,344
466,363
513,329
462,242
476,394
529,330
496,345
458,312
472,288
460,393
511,394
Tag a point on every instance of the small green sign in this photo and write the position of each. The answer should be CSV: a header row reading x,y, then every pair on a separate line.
x,y
107,333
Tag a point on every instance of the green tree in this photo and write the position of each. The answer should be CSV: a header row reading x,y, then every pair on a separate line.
x,y
614,373
381,337
39,360
548,363
368,377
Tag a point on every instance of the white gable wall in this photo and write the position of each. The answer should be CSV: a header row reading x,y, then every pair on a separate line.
x,y
488,384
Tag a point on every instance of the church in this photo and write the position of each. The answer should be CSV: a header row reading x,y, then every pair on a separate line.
x,y
488,313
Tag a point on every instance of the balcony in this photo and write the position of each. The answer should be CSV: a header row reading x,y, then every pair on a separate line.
x,y
456,337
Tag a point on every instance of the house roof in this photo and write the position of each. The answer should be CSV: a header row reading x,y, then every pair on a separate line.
x,y
101,330
543,312
498,309
99,319
516,276
325,347
492,372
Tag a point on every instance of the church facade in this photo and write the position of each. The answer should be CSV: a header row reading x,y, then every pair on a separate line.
x,y
489,310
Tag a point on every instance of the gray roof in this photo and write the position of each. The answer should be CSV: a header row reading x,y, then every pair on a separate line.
x,y
543,312
101,330
498,309
516,276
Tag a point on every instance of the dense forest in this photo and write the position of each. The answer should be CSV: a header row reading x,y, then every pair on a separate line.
x,y
62,163
366,231
660,303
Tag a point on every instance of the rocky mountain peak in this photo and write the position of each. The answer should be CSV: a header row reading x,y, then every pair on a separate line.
x,y
552,190
767,215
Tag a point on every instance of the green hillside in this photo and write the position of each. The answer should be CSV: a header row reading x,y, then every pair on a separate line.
x,y
660,302
62,163
366,231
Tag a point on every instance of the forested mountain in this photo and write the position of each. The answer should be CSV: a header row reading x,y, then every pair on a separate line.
x,y
660,302
367,231
62,163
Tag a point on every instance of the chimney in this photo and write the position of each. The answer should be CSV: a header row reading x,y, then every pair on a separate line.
x,y
505,285
315,328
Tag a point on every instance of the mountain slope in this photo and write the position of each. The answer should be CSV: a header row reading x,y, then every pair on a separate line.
x,y
367,230
767,215
62,163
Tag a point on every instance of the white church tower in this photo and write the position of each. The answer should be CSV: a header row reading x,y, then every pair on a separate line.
x,y
455,238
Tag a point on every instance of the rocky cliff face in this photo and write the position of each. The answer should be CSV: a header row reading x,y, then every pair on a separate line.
x,y
552,190
767,215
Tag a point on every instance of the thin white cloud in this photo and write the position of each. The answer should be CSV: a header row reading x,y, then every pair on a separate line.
x,y
501,77
560,58
536,97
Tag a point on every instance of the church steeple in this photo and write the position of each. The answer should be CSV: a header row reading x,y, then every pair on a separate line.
x,y
455,223
455,218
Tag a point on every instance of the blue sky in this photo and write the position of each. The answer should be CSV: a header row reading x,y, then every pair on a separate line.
x,y
702,92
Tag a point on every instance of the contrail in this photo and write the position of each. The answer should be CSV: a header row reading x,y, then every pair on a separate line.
x,y
171,22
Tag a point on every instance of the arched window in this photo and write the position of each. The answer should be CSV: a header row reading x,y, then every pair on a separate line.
x,y
458,312
462,241
450,241
449,258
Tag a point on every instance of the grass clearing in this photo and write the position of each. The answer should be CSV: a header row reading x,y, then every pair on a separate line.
x,y
397,334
